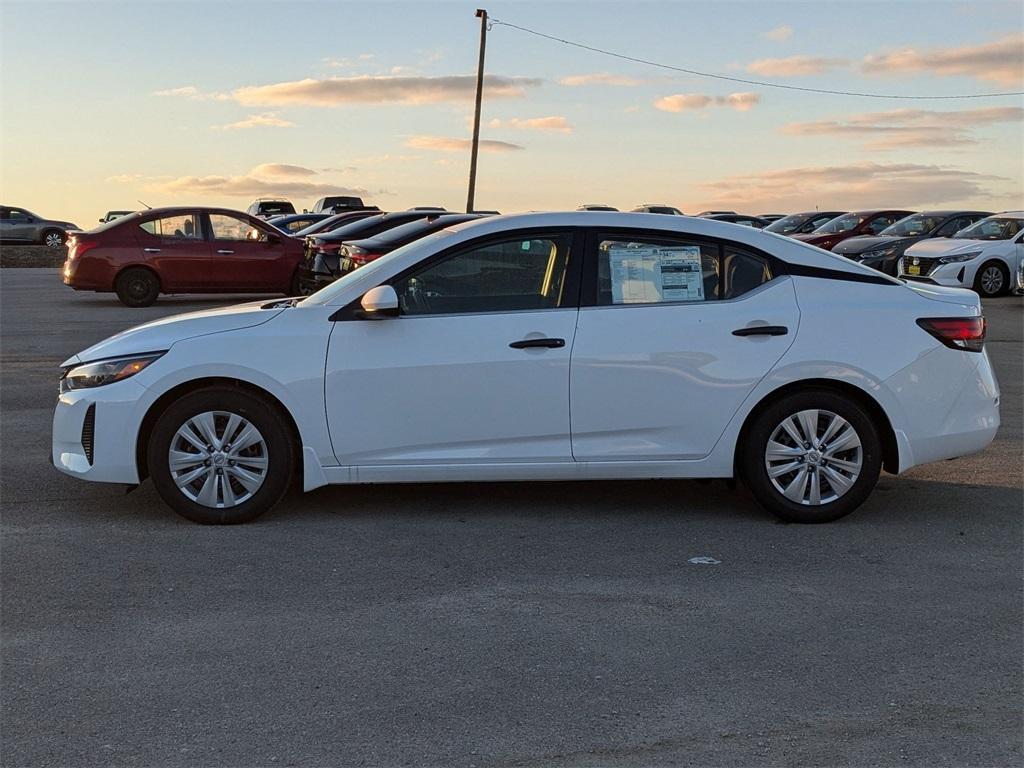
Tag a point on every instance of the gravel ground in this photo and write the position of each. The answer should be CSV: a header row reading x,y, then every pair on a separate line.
x,y
499,625
31,256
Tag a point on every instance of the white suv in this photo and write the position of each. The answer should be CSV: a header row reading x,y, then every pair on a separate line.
x,y
986,256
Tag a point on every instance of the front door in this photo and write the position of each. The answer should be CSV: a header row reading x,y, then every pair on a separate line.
x,y
244,257
475,370
676,338
174,244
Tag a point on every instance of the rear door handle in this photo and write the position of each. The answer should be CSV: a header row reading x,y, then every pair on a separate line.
x,y
538,343
225,251
151,250
762,330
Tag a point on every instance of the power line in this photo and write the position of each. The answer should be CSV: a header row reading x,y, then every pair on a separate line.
x,y
759,83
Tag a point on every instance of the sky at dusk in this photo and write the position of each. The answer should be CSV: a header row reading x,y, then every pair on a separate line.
x,y
172,103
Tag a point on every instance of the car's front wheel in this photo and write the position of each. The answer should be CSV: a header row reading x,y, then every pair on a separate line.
x,y
993,279
221,456
811,457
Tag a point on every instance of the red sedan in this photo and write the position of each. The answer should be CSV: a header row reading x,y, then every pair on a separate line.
x,y
182,250
833,232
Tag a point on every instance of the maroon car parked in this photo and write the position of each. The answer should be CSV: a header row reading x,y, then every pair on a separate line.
x,y
183,250
831,233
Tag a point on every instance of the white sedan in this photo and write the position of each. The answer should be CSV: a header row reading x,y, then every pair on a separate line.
x,y
987,256
556,346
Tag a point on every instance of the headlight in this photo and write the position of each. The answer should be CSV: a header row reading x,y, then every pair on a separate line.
x,y
877,254
101,372
959,257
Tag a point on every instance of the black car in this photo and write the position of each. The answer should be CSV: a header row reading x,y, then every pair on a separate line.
x,y
883,251
357,253
337,203
320,266
333,221
738,218
801,223
292,223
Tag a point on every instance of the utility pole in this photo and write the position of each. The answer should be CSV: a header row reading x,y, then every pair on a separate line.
x,y
475,147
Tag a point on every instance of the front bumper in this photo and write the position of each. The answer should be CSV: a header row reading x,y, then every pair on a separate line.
x,y
103,451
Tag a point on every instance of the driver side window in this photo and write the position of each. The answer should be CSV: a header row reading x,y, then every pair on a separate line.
x,y
499,276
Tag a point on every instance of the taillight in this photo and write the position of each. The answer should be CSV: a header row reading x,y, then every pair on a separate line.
x,y
964,333
361,257
78,247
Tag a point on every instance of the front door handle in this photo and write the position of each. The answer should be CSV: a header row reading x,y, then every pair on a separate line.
x,y
151,250
761,330
538,343
225,251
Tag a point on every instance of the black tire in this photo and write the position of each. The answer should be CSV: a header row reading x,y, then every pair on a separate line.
x,y
980,285
137,287
295,287
53,238
752,457
264,415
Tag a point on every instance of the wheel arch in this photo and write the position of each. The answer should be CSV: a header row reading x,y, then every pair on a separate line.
x,y
121,270
890,447
174,393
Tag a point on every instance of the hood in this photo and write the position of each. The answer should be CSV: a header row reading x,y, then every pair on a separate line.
x,y
865,243
814,238
161,334
941,246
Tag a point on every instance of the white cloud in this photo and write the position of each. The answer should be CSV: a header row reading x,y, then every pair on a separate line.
x,y
264,179
779,34
599,78
191,92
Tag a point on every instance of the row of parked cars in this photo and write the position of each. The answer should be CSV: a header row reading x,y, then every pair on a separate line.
x,y
213,250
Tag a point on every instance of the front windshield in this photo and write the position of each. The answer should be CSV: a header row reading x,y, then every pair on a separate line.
x,y
994,228
912,226
328,292
840,224
787,224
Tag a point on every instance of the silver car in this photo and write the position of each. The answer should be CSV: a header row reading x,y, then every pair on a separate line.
x,y
20,226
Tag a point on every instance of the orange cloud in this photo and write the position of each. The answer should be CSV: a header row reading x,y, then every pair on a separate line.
x,y
910,127
445,144
686,102
266,120
1000,61
599,78
264,179
794,66
779,33
340,91
554,123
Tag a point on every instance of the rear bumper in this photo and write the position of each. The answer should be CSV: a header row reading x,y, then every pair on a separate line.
x,y
945,422
311,280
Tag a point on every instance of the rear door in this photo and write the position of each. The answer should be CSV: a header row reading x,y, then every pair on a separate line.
x,y
246,256
677,333
175,246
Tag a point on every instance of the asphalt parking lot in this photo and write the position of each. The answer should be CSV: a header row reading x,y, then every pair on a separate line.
x,y
519,624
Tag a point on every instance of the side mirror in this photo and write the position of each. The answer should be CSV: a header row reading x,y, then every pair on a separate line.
x,y
379,303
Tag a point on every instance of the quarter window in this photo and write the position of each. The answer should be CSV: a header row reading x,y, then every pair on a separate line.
x,y
502,276
661,271
182,227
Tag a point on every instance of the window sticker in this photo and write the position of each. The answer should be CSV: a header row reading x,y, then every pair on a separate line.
x,y
651,274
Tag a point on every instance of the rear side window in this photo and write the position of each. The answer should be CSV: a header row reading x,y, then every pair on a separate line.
x,y
180,227
658,270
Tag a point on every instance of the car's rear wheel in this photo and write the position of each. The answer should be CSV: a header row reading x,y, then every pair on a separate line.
x,y
993,279
137,287
220,456
811,457
295,287
53,238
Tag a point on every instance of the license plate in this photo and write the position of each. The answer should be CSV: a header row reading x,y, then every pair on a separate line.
x,y
914,269
346,264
